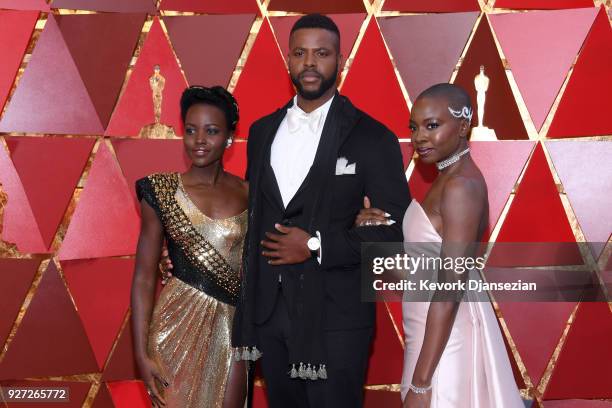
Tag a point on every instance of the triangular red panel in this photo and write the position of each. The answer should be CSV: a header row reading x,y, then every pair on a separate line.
x,y
114,37
382,98
499,183
385,366
518,377
547,319
235,159
122,6
211,6
121,365
536,214
135,108
318,6
105,222
19,224
101,291
129,394
141,157
103,398
426,6
381,398
395,310
49,168
590,73
501,111
24,5
542,4
538,68
50,75
264,69
15,30
586,352
426,48
500,175
587,183
77,393
195,56
536,217
16,276
421,179
50,321
348,24
407,153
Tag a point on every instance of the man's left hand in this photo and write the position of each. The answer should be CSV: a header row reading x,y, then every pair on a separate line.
x,y
288,247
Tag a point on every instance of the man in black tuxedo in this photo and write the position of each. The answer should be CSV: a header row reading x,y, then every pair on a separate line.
x,y
310,164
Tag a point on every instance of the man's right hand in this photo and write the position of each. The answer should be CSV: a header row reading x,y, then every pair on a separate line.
x,y
165,266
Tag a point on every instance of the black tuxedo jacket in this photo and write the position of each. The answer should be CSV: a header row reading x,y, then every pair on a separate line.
x,y
327,203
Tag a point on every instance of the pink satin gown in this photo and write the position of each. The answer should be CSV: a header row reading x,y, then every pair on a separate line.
x,y
474,370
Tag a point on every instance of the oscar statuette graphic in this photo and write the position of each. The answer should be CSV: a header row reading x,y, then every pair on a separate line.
x,y
157,130
481,132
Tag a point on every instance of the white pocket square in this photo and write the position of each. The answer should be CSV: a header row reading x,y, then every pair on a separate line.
x,y
342,167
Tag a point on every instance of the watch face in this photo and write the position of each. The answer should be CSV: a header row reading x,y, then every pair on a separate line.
x,y
313,244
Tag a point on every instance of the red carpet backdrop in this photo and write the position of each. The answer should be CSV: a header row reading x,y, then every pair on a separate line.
x,y
75,93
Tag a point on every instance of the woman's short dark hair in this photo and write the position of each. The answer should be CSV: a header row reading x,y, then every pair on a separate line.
x,y
456,96
216,96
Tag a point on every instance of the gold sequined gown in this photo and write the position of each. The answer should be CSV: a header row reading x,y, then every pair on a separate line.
x,y
190,331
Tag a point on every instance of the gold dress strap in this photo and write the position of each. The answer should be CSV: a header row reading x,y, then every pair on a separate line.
x,y
209,269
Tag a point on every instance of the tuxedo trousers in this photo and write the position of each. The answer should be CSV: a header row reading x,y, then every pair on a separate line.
x,y
347,359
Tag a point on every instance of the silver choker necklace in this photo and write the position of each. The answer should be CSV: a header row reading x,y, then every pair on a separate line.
x,y
441,165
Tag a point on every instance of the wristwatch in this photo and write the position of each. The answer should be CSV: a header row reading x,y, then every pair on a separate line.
x,y
314,244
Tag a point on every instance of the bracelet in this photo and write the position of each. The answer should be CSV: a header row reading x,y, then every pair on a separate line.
x,y
419,390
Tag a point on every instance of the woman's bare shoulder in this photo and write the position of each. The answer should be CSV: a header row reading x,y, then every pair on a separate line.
x,y
465,187
238,184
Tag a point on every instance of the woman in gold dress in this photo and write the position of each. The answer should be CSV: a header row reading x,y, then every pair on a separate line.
x,y
182,340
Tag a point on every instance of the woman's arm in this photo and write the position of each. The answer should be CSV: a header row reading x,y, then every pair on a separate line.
x,y
143,290
462,207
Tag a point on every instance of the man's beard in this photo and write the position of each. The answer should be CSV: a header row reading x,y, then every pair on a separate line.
x,y
326,84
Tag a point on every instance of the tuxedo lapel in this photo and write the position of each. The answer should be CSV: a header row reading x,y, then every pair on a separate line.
x,y
326,142
262,158
338,123
336,129
270,187
346,117
340,120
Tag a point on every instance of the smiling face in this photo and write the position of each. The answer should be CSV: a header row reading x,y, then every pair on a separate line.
x,y
436,134
313,62
206,134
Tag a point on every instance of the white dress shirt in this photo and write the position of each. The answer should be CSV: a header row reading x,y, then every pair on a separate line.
x,y
294,148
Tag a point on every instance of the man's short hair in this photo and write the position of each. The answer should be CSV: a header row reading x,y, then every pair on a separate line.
x,y
316,20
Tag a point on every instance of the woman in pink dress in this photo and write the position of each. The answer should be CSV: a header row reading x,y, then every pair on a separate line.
x,y
454,353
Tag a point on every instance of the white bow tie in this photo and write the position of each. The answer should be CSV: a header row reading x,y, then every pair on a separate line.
x,y
297,118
